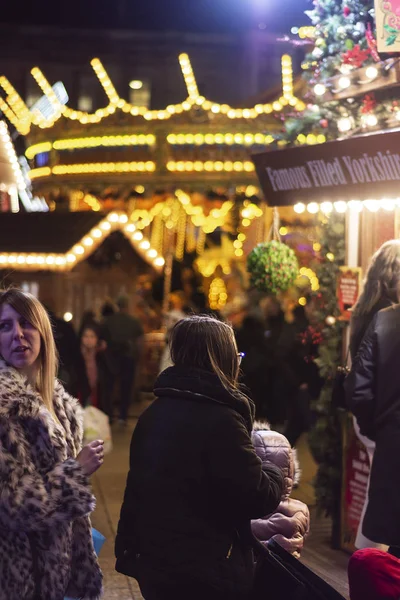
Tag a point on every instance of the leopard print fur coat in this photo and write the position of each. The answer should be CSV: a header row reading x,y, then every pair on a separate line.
x,y
45,498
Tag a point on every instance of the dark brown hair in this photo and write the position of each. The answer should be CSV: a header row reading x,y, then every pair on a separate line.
x,y
203,342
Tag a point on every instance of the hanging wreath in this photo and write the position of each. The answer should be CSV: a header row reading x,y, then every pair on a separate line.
x,y
273,267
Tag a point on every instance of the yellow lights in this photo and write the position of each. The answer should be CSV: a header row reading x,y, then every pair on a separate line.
x,y
39,172
344,82
319,89
371,72
38,149
93,168
92,142
287,77
302,301
188,76
210,166
344,124
330,256
317,247
106,141
68,316
313,208
198,139
311,276
299,208
326,207
136,84
283,231
92,202
22,118
80,251
217,295
341,206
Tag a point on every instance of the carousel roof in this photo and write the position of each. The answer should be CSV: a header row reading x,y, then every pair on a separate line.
x,y
23,119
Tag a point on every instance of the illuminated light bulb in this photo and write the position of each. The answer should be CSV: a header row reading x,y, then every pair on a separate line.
x,y
152,253
159,262
372,205
50,260
371,72
283,231
344,124
371,120
238,252
341,206
145,245
313,208
137,236
60,260
78,249
388,204
302,301
344,82
40,260
299,208
96,233
316,247
123,219
88,241
355,205
71,258
21,260
30,259
113,217
130,228
326,207
68,316
319,89
246,222
330,256
215,108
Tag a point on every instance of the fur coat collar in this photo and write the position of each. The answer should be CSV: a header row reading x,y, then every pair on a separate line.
x,y
45,499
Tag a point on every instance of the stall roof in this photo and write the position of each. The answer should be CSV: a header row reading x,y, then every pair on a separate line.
x,y
58,241
45,232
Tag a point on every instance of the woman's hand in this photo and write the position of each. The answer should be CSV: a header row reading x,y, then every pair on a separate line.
x,y
91,457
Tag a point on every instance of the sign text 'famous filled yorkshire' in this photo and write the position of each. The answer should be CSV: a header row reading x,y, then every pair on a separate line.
x,y
360,168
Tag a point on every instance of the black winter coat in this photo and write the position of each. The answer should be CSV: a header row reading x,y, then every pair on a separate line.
x,y
373,394
194,484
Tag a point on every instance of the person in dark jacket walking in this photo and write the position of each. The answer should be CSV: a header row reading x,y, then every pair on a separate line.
x,y
381,288
195,481
373,392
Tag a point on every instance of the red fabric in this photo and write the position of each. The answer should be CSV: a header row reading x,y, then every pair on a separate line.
x,y
374,575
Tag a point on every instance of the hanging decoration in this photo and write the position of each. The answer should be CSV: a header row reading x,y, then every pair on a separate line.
x,y
273,267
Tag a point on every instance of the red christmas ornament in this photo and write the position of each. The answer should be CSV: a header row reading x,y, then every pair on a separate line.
x,y
346,11
369,104
356,56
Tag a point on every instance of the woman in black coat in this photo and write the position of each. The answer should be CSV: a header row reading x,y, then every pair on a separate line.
x,y
195,481
373,389
381,290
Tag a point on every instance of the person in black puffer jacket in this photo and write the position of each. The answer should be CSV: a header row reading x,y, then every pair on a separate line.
x,y
195,481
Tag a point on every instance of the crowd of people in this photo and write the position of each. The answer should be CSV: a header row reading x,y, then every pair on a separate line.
x,y
209,477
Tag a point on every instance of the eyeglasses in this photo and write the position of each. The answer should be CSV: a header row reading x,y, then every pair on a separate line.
x,y
241,356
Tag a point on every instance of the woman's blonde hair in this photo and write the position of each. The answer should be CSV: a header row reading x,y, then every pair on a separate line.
x,y
202,342
382,279
34,312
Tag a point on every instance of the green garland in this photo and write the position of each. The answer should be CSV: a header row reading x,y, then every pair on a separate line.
x,y
325,437
273,267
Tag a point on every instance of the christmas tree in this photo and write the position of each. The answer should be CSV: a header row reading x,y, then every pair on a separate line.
x,y
350,89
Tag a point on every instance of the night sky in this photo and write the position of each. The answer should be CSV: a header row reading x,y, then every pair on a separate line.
x,y
178,15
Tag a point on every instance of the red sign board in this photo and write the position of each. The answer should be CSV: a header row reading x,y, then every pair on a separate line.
x,y
355,485
348,290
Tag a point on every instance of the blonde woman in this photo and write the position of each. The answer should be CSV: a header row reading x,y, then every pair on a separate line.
x,y
46,547
195,480
381,290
